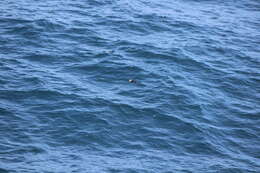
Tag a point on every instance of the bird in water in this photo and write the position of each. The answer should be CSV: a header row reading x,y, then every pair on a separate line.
x,y
131,81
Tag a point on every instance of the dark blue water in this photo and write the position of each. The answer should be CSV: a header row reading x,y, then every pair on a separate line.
x,y
66,103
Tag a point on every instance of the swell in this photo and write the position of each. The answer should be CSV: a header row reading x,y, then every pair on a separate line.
x,y
66,100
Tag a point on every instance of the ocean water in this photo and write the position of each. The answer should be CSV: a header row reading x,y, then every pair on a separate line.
x,y
66,103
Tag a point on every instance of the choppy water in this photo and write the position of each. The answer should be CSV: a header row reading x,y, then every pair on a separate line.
x,y
66,104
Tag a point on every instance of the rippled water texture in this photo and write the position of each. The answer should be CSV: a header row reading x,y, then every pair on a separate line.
x,y
66,103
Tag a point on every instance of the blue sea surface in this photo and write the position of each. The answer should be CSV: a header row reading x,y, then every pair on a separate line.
x,y
192,104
